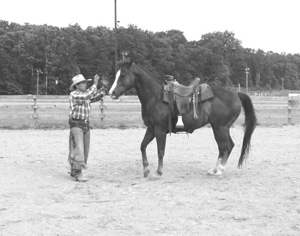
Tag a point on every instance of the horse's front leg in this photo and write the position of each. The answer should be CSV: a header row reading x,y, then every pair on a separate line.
x,y
161,136
149,136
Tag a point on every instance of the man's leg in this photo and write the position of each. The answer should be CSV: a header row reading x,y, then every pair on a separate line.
x,y
76,153
86,141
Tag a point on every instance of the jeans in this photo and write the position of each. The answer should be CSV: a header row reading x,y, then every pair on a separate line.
x,y
79,147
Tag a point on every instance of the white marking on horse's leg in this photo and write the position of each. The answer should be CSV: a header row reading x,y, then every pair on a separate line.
x,y
218,170
115,82
219,167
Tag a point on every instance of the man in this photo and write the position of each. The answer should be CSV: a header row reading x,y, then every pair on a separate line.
x,y
80,107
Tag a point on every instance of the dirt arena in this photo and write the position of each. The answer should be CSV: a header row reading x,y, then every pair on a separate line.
x,y
39,198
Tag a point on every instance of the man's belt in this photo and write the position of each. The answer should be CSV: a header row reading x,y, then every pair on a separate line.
x,y
78,122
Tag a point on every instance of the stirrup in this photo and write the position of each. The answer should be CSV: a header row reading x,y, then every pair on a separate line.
x,y
179,123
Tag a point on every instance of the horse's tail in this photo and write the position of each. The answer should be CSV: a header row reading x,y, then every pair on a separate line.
x,y
249,126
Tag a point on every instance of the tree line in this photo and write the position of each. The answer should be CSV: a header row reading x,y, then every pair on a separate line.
x,y
45,57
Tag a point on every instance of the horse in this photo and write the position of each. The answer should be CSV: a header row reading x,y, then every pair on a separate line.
x,y
221,111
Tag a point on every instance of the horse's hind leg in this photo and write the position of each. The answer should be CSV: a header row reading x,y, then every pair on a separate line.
x,y
161,145
149,136
225,145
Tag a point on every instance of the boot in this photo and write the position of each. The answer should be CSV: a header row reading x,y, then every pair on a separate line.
x,y
81,178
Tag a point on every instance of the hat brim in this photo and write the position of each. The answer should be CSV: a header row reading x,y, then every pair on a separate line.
x,y
72,85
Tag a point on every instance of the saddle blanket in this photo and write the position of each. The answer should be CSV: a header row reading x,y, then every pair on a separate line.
x,y
205,93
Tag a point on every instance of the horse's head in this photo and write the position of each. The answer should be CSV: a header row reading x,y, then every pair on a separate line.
x,y
124,80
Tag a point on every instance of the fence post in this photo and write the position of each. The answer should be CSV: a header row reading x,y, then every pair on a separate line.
x,y
102,115
35,115
289,110
293,102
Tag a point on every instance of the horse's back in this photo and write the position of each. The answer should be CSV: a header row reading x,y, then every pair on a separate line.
x,y
225,106
228,97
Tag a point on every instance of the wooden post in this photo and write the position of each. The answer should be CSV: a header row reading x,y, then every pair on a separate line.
x,y
289,111
293,102
35,115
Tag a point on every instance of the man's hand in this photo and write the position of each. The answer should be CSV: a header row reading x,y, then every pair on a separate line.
x,y
96,79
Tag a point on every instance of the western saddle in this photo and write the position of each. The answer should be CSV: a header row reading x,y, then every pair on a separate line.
x,y
182,95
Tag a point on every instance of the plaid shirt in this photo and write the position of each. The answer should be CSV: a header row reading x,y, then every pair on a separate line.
x,y
80,102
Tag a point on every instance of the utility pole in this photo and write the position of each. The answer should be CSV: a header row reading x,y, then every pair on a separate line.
x,y
38,71
46,70
247,73
116,38
56,84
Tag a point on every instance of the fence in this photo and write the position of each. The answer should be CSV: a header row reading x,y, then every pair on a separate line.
x,y
51,112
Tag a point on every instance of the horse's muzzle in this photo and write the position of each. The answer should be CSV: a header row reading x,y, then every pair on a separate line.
x,y
113,95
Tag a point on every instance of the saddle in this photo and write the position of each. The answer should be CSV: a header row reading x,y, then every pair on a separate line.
x,y
185,97
186,91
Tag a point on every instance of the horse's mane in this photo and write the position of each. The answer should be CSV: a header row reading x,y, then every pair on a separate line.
x,y
148,72
128,61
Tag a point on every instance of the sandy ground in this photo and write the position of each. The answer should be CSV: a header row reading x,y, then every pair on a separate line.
x,y
38,197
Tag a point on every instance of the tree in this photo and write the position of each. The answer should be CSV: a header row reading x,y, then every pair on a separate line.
x,y
222,46
218,58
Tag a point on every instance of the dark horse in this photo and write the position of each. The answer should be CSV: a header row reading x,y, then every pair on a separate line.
x,y
220,112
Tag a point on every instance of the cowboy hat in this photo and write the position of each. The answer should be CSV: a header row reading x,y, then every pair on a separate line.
x,y
78,79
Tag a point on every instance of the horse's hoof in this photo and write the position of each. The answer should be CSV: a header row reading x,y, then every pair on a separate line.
x,y
219,173
146,173
214,172
159,173
153,177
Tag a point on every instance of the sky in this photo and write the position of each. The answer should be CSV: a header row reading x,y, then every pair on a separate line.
x,y
269,25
